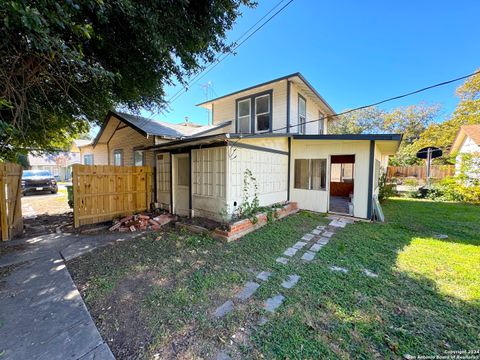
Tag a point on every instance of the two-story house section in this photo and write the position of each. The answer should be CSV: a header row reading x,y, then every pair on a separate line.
x,y
277,131
285,105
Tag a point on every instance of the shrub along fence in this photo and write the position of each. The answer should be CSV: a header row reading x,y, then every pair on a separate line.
x,y
103,192
420,172
11,222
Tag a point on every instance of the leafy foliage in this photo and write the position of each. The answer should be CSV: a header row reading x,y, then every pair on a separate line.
x,y
250,202
385,189
64,64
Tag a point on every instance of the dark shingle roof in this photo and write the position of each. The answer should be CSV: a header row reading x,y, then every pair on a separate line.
x,y
150,127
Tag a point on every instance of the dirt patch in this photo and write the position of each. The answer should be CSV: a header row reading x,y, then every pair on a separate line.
x,y
46,224
119,316
202,222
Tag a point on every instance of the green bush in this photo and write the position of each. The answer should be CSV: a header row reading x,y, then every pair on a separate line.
x,y
385,189
453,189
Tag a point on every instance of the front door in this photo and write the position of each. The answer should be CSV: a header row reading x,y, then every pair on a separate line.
x,y
181,184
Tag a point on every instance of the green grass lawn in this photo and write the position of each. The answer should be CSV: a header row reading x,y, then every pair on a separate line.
x,y
156,296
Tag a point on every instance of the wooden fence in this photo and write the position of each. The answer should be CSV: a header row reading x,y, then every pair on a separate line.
x,y
420,172
11,222
103,192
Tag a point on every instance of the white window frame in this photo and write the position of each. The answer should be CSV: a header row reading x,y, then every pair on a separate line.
x,y
310,174
115,152
249,117
269,113
302,126
143,157
321,123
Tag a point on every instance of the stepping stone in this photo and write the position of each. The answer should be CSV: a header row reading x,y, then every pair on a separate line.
x,y
316,231
223,309
308,237
328,234
282,260
290,252
274,302
370,273
248,290
298,245
264,275
321,227
316,247
338,268
338,223
441,236
262,321
291,281
323,241
308,256
222,356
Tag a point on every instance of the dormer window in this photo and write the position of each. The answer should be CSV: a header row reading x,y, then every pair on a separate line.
x,y
254,113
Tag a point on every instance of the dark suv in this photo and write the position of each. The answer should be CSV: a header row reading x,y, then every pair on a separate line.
x,y
38,180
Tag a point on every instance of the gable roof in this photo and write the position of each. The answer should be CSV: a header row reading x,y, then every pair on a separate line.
x,y
297,75
472,131
150,127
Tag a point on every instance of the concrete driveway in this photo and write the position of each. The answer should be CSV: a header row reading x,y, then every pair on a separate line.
x,y
42,313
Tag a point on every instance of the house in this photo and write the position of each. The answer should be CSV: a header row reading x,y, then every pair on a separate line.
x,y
467,141
53,163
278,130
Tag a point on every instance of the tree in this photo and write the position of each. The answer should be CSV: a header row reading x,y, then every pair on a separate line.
x,y
467,112
63,64
410,121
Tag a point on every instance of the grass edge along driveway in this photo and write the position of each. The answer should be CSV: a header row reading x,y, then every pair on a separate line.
x,y
424,301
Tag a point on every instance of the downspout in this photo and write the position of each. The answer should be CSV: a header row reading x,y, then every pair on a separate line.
x,y
370,180
288,106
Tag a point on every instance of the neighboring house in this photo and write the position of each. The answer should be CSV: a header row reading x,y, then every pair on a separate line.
x,y
52,163
467,141
273,130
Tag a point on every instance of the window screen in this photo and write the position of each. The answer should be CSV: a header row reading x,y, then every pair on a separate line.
x,y
183,171
302,114
138,158
262,112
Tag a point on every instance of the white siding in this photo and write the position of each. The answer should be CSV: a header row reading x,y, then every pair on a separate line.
x,y
468,147
224,109
317,200
209,182
312,112
269,169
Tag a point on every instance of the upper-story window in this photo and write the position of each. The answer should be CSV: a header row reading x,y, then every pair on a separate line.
x,y
244,109
302,114
321,122
262,113
254,114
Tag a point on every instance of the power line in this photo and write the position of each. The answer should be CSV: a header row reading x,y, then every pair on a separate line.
x,y
369,105
237,44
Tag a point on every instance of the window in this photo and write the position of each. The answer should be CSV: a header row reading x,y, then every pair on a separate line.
x,y
310,174
118,157
183,171
138,157
321,122
88,159
302,114
262,113
342,172
243,116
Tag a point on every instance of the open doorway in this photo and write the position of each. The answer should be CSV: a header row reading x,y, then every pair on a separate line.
x,y
342,184
181,184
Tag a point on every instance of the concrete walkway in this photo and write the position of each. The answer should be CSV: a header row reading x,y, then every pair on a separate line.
x,y
42,315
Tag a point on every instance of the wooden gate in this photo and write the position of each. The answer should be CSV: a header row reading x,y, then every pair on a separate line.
x,y
11,223
103,192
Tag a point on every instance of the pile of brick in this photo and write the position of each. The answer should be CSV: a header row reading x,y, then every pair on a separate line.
x,y
141,222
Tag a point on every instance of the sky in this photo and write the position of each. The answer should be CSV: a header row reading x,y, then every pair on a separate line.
x,y
353,52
